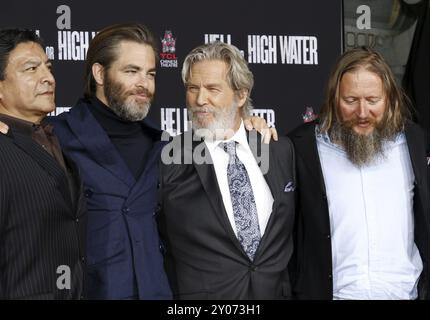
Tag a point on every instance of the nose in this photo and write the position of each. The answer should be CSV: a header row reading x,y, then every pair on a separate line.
x,y
363,110
201,97
47,76
143,81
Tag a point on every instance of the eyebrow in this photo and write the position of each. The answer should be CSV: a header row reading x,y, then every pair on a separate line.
x,y
211,85
32,62
207,85
133,66
37,62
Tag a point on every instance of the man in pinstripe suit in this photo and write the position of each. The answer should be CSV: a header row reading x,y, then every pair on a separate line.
x,y
42,215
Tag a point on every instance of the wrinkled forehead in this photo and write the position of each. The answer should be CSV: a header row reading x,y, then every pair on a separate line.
x,y
26,51
210,70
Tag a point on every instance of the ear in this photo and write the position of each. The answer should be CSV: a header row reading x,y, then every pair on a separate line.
x,y
98,73
242,96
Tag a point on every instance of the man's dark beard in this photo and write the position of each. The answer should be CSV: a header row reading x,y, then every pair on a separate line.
x,y
362,149
116,99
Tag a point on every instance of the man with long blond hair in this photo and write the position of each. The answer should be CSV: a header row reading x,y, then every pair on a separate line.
x,y
363,185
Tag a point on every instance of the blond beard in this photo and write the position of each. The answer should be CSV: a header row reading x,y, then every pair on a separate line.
x,y
362,149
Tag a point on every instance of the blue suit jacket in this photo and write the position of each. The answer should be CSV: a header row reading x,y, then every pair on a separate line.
x,y
123,247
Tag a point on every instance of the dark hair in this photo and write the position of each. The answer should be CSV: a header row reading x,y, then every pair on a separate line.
x,y
352,60
103,48
9,40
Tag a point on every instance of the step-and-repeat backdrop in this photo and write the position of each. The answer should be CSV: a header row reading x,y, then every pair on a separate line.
x,y
290,46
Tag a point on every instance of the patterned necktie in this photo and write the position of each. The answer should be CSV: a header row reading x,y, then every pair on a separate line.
x,y
243,201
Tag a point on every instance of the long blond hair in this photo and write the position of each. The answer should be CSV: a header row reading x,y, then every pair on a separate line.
x,y
397,102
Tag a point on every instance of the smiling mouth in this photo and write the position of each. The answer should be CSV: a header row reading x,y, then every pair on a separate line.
x,y
142,96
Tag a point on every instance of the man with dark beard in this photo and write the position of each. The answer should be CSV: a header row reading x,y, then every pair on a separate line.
x,y
227,205
363,186
117,151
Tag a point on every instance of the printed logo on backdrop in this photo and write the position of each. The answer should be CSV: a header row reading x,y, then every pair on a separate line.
x,y
175,120
72,44
168,47
59,110
309,115
275,49
361,34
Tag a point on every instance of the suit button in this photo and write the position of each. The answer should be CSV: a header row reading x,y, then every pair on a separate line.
x,y
328,236
162,249
324,196
125,210
83,259
88,193
253,268
77,220
330,276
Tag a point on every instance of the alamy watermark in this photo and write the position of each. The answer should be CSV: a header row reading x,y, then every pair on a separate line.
x,y
189,147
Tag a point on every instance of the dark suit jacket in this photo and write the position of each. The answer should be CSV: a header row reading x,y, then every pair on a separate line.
x,y
203,258
313,246
123,246
42,226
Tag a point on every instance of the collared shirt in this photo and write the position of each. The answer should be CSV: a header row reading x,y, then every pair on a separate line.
x,y
372,222
40,133
262,194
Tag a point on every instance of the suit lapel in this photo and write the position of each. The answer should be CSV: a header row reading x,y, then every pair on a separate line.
x,y
46,161
96,142
260,152
417,152
208,179
307,152
75,183
269,171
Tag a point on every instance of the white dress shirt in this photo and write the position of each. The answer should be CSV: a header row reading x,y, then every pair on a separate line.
x,y
263,196
372,223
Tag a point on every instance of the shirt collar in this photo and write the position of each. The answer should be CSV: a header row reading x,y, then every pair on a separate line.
x,y
239,136
19,125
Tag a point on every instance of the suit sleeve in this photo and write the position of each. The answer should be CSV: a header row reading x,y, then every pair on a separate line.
x,y
3,208
3,199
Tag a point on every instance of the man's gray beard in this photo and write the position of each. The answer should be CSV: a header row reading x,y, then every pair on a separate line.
x,y
223,121
361,149
128,111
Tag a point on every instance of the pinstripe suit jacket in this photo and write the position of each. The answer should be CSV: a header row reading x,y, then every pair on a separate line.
x,y
41,226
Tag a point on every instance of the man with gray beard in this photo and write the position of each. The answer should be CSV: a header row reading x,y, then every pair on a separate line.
x,y
117,151
363,177
227,203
